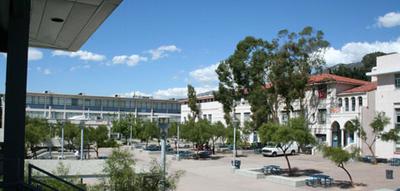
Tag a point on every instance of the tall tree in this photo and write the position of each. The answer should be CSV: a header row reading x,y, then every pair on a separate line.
x,y
296,56
265,72
192,102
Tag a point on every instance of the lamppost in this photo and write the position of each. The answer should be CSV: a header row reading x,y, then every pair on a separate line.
x,y
235,123
62,138
163,124
177,143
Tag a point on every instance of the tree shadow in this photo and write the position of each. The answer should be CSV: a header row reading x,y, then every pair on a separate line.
x,y
344,184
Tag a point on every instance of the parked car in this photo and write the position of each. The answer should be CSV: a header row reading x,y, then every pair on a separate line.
x,y
152,148
185,154
273,150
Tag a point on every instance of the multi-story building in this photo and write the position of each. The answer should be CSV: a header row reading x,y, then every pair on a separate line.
x,y
387,99
331,101
96,109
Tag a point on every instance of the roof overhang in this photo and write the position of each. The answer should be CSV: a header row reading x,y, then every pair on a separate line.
x,y
60,24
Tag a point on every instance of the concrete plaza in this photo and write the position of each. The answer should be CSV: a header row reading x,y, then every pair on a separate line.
x,y
218,175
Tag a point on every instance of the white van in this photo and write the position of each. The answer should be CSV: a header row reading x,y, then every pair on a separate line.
x,y
273,150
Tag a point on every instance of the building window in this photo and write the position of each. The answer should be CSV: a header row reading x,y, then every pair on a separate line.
x,y
285,117
346,104
397,80
322,91
353,104
360,101
247,116
340,102
321,116
209,117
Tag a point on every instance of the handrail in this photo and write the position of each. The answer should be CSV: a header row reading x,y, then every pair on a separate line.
x,y
30,178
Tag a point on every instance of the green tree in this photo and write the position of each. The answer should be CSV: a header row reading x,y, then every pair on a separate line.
x,y
378,125
119,167
284,135
122,127
149,131
98,136
217,131
339,157
192,102
263,71
197,132
120,170
36,132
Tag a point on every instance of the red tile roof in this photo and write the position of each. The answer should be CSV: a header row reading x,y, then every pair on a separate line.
x,y
321,78
362,89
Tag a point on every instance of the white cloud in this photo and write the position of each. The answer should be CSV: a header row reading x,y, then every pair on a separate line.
x,y
162,51
44,71
73,68
131,60
81,54
354,51
388,20
206,74
180,92
33,54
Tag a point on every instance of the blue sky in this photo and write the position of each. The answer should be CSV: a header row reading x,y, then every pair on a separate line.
x,y
158,47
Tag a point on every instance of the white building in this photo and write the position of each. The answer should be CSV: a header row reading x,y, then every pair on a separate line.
x,y
331,102
99,110
387,99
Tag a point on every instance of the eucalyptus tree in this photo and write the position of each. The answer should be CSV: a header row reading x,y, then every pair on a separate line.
x,y
267,72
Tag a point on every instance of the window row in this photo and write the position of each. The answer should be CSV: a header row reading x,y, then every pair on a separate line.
x,y
60,101
353,103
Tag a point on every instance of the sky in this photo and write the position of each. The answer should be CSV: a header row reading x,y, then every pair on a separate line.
x,y
155,48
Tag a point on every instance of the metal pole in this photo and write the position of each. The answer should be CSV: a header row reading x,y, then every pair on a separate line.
x,y
130,133
177,145
62,140
50,143
81,141
15,93
234,142
163,161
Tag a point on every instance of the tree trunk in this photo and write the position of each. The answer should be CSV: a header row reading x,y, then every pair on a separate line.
x,y
97,151
288,163
213,146
341,165
373,160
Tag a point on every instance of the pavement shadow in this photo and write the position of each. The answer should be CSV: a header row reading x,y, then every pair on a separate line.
x,y
299,172
343,184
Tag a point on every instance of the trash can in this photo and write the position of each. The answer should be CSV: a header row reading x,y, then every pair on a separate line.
x,y
236,164
389,174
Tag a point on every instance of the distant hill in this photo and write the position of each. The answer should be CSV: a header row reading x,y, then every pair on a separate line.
x,y
350,65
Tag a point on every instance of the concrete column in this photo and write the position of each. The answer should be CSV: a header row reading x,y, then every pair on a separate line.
x,y
329,136
342,137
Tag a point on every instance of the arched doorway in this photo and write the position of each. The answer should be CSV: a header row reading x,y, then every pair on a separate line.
x,y
348,136
336,135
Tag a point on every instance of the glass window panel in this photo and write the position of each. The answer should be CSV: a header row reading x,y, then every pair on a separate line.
x,y
397,80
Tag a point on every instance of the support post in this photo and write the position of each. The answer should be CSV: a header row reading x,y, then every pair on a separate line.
x,y
62,140
82,140
15,94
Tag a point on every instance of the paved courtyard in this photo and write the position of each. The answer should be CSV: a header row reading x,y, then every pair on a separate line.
x,y
217,174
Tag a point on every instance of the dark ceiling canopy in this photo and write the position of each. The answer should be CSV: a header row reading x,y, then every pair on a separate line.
x,y
60,24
